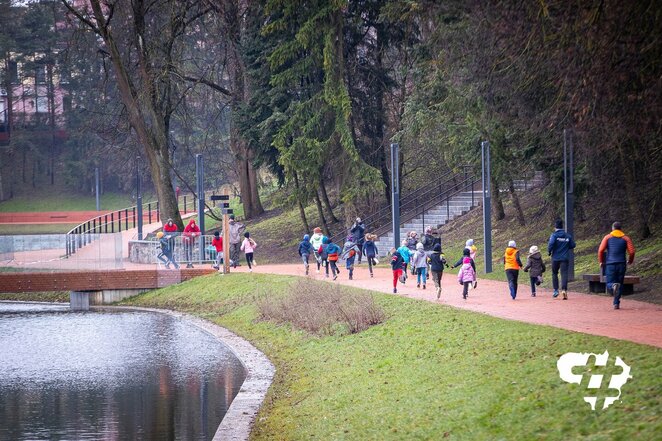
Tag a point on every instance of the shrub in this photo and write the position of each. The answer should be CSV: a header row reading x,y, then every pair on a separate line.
x,y
322,309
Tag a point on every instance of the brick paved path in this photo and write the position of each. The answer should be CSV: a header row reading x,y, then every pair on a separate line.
x,y
636,321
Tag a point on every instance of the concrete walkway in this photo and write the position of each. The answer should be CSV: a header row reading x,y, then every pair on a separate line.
x,y
636,321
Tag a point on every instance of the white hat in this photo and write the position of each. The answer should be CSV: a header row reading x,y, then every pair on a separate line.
x,y
470,242
512,244
533,250
419,246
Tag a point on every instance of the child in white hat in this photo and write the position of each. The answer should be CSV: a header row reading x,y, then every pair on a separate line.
x,y
535,267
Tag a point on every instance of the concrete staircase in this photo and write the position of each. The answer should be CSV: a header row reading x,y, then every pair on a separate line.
x,y
439,215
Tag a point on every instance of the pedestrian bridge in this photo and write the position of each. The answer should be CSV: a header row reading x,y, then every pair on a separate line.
x,y
97,287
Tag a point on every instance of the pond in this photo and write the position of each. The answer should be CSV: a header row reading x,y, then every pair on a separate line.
x,y
110,375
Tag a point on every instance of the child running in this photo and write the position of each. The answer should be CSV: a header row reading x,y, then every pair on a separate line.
x,y
305,250
349,252
217,243
406,254
466,253
370,251
419,261
397,265
316,242
437,264
512,265
466,276
333,253
165,255
248,247
534,263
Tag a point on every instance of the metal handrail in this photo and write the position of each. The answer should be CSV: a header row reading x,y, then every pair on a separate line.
x,y
382,217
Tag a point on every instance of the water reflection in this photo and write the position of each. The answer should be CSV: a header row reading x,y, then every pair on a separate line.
x,y
110,375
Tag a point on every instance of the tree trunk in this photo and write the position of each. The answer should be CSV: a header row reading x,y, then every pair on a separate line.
x,y
497,207
325,227
325,199
302,210
518,208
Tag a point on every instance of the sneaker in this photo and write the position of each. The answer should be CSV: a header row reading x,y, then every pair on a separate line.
x,y
250,270
614,289
617,306
351,278
556,293
423,286
189,265
306,270
565,294
438,293
215,266
464,296
372,275
167,265
475,284
318,271
418,285
533,294
335,277
376,261
253,262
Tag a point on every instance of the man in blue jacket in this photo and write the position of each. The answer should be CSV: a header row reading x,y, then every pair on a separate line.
x,y
559,246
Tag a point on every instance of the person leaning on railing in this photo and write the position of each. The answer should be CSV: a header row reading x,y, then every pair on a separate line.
x,y
190,233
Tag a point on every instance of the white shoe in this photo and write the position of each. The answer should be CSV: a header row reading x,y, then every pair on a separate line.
x,y
250,270
254,263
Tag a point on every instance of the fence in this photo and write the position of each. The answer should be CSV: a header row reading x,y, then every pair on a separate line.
x,y
145,251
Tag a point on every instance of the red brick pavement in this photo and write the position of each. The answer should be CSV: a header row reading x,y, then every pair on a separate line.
x,y
636,321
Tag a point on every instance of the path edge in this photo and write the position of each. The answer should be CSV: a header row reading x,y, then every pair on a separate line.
x,y
241,415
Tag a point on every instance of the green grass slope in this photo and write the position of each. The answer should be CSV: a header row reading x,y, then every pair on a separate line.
x,y
427,372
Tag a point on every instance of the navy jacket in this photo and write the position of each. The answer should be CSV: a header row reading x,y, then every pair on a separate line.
x,y
437,261
396,261
305,247
560,244
369,249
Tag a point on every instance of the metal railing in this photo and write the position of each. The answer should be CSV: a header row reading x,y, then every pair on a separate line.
x,y
112,222
186,250
416,202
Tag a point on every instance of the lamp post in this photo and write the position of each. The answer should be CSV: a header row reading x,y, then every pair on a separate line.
x,y
139,200
487,205
395,196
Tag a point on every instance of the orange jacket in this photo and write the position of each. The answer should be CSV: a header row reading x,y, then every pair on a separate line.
x,y
613,248
511,259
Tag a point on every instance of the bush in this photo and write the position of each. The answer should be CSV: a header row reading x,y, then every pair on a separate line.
x,y
322,309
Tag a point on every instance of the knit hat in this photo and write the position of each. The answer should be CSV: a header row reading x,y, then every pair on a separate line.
x,y
191,222
306,237
159,235
436,247
217,234
558,224
470,242
317,230
247,234
533,250
512,244
419,246
466,252
358,219
232,217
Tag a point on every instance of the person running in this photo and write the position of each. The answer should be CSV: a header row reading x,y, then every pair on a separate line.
x,y
466,252
512,263
316,242
236,229
370,251
217,243
333,253
437,264
611,256
191,233
559,246
406,254
429,240
305,250
358,232
248,247
397,265
466,276
349,252
165,255
420,262
535,264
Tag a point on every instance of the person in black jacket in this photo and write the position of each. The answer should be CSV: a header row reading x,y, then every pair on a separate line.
x,y
437,262
358,231
397,265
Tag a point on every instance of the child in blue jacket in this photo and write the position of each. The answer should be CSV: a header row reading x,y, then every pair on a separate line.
x,y
305,250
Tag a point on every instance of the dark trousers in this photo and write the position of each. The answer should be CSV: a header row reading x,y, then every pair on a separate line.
x,y
465,289
436,278
615,273
249,259
234,253
371,262
512,275
533,284
334,267
563,266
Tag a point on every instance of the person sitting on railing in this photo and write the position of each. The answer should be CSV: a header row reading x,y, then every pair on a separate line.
x,y
190,233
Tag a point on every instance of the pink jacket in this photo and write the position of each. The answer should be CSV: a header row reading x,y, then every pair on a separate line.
x,y
248,245
466,274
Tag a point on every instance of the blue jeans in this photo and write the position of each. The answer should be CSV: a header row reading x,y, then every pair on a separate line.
x,y
421,273
615,273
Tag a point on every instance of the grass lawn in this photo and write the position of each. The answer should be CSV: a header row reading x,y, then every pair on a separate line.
x,y
427,372
68,202
13,229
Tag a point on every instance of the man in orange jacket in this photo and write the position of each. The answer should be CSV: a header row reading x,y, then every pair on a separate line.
x,y
611,256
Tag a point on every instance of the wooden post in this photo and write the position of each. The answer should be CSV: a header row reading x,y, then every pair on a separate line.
x,y
226,239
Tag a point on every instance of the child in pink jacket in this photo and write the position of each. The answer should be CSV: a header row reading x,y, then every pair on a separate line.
x,y
248,246
466,276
